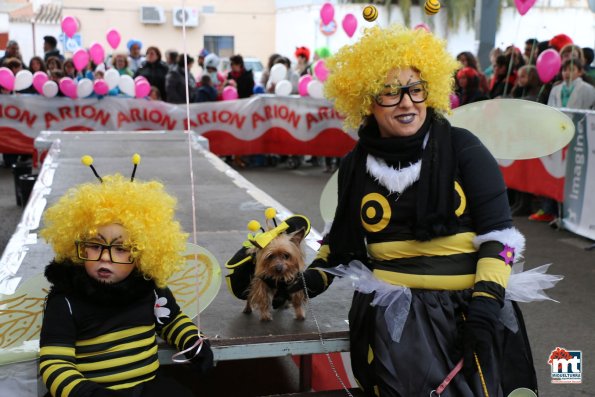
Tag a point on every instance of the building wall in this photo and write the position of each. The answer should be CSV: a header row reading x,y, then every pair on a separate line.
x,y
251,22
23,33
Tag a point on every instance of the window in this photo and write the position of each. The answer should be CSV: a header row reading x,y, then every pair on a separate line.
x,y
220,45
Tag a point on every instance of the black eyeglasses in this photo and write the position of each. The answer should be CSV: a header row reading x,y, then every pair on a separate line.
x,y
92,251
392,95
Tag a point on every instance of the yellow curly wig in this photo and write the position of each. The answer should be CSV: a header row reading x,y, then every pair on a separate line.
x,y
143,208
358,72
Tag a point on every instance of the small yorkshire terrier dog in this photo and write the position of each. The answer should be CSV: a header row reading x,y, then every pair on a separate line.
x,y
278,265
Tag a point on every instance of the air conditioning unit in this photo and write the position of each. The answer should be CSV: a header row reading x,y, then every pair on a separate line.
x,y
181,15
152,15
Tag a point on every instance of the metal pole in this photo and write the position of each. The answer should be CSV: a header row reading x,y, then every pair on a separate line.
x,y
485,28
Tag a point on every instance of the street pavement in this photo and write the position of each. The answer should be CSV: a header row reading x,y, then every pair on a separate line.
x,y
569,324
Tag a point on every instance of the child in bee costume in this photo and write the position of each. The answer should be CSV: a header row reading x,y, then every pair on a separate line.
x,y
116,243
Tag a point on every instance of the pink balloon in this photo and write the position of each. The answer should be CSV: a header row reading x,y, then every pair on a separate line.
x,y
422,26
303,84
39,79
100,87
68,87
327,13
229,93
80,58
140,78
349,24
320,70
524,5
113,38
97,53
7,78
455,102
142,89
69,26
548,65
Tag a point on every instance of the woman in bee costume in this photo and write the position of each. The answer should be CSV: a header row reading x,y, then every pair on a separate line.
x,y
423,208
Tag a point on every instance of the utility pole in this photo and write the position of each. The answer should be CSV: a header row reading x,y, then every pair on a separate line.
x,y
486,14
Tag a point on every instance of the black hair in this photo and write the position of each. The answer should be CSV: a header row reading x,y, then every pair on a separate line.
x,y
51,40
237,60
181,60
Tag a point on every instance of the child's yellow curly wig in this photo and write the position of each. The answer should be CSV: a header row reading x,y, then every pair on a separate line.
x,y
358,72
143,208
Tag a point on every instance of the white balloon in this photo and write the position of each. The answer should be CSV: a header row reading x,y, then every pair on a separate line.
x,y
112,78
278,73
84,88
283,88
316,89
126,85
50,89
23,80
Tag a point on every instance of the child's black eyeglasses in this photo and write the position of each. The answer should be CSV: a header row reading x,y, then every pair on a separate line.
x,y
392,95
92,251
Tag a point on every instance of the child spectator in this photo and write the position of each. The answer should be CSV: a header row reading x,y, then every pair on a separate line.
x,y
468,81
36,64
206,92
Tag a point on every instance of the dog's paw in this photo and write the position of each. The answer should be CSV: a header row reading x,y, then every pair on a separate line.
x,y
247,310
300,317
266,317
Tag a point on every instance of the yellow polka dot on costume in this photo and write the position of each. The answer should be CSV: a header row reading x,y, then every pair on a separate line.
x,y
370,13
375,212
370,212
431,7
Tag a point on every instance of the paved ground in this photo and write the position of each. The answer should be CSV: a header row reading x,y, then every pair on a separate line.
x,y
569,324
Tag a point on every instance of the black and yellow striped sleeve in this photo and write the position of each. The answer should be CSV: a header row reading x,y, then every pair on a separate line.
x,y
494,266
178,329
57,360
240,269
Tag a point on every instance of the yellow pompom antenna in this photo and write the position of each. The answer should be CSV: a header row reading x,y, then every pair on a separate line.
x,y
88,161
270,213
136,162
254,226
431,7
370,13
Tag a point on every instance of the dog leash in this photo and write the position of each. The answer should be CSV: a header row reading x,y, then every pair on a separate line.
x,y
438,391
326,352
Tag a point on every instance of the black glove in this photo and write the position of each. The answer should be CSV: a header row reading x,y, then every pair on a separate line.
x,y
479,333
203,361
314,282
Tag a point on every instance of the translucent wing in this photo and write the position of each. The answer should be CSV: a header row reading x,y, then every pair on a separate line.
x,y
201,269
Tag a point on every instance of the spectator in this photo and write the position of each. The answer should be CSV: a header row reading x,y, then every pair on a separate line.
x,y
135,59
201,58
12,51
573,51
528,86
175,82
37,64
69,69
302,54
589,55
120,63
468,81
171,56
206,92
292,76
53,63
218,80
467,59
494,54
531,51
50,49
241,78
154,70
264,79
501,80
154,94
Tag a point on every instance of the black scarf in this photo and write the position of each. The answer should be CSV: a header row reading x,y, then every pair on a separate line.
x,y
435,215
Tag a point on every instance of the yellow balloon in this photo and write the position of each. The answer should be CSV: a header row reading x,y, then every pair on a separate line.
x,y
328,198
370,13
431,7
515,129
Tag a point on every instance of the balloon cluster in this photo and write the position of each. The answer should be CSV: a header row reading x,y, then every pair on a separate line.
x,y
349,22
